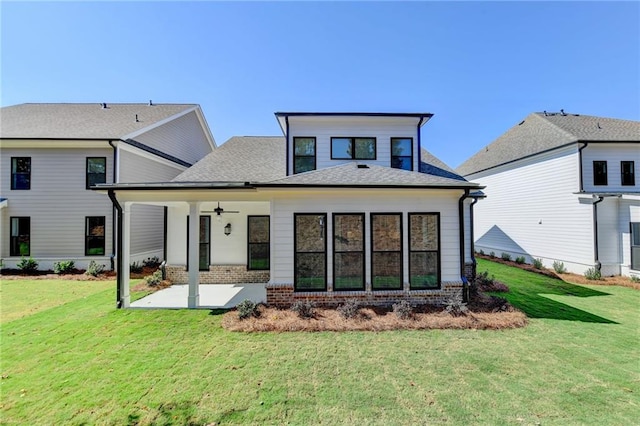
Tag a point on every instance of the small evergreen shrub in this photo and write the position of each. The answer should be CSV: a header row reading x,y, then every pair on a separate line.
x,y
481,252
505,256
520,260
94,269
64,267
492,254
635,279
151,262
154,279
403,310
537,263
27,265
559,267
349,309
135,267
304,308
247,309
592,274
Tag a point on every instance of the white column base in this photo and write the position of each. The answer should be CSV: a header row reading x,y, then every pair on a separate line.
x,y
193,301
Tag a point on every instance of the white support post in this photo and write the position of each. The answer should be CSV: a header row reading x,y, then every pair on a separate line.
x,y
194,255
125,297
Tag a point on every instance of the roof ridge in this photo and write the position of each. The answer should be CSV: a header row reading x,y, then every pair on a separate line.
x,y
544,120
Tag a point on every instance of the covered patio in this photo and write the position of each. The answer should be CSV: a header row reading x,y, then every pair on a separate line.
x,y
212,296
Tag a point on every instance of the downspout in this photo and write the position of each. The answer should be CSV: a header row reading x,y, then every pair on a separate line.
x,y
580,159
465,284
419,143
471,232
113,213
118,207
286,139
598,265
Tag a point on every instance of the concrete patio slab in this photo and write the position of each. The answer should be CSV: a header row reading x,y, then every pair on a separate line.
x,y
212,296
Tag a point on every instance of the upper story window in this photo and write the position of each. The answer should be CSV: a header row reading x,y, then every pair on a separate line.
x,y
304,154
402,153
628,173
600,173
353,148
96,171
20,172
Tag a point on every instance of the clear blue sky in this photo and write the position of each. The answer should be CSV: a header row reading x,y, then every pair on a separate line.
x,y
480,67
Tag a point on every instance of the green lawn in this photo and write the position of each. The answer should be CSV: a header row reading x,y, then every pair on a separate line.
x,y
83,362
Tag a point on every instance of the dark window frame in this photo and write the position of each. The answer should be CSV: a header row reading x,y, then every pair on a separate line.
x,y
15,173
200,243
438,251
87,173
630,175
352,140
314,156
87,236
600,178
14,241
295,252
634,247
401,156
363,252
373,252
267,243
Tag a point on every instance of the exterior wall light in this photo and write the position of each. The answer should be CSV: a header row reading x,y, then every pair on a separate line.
x,y
227,229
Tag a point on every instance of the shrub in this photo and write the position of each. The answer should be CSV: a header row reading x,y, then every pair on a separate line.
x,y
64,266
154,279
481,252
304,308
456,308
27,265
349,309
247,309
484,282
135,267
151,262
505,256
593,274
94,269
483,279
492,254
403,310
635,279
537,263
559,267
520,260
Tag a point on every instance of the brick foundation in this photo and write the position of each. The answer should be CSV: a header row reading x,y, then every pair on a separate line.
x,y
470,271
283,296
218,274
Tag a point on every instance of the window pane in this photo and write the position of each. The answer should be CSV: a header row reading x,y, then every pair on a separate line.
x,y
96,165
348,233
424,232
304,146
424,270
401,147
341,148
258,229
304,164
635,258
310,271
628,172
387,233
403,163
259,256
205,229
599,172
310,233
635,234
95,236
386,269
21,173
365,148
349,270
20,244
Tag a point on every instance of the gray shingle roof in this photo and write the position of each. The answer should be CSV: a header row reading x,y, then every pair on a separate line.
x,y
82,121
540,132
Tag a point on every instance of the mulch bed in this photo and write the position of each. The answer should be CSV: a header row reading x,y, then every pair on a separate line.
x,y
76,275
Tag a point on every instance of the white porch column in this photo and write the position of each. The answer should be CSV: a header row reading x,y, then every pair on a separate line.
x,y
125,297
194,255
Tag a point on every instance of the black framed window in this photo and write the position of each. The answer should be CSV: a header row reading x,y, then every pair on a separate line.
x,y
635,246
627,169
96,171
94,236
204,241
304,154
424,251
353,148
20,241
258,242
310,262
386,251
600,173
348,251
20,172
402,153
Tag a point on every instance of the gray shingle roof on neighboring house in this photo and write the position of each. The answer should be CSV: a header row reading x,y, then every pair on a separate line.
x,y
541,132
82,121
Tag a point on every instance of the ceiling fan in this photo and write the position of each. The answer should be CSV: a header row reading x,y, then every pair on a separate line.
x,y
219,210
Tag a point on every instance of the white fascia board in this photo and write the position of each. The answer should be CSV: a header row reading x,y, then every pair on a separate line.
x,y
42,143
142,153
132,135
205,127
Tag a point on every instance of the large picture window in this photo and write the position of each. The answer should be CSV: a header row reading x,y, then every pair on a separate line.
x,y
94,236
258,243
20,242
304,154
386,251
310,263
424,251
600,173
402,153
96,171
20,172
627,169
348,251
353,148
635,246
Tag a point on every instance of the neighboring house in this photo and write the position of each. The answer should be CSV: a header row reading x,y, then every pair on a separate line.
x,y
562,187
344,206
52,153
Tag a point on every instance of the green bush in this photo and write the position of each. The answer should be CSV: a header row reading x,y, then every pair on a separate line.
x,y
349,309
520,260
247,308
94,269
481,252
635,279
403,310
304,308
537,263
492,254
151,262
64,267
593,274
559,267
505,256
154,279
27,265
135,267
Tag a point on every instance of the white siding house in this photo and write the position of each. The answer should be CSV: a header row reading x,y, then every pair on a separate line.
x,y
50,154
544,200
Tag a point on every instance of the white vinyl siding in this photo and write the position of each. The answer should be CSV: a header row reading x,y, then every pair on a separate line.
x,y
613,154
609,243
628,212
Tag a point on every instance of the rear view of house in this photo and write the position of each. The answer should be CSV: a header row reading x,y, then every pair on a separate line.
x,y
562,187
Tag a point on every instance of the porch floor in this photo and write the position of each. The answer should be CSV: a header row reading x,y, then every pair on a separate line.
x,y
212,296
